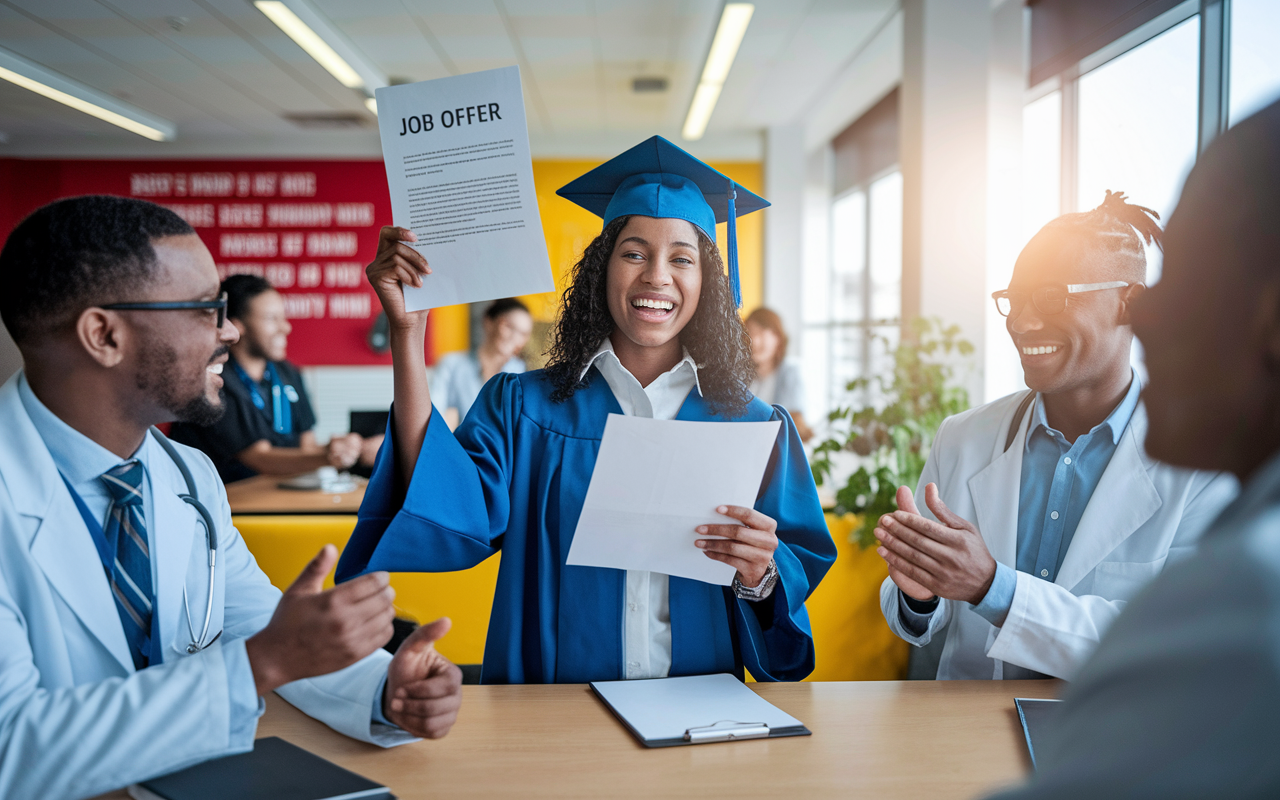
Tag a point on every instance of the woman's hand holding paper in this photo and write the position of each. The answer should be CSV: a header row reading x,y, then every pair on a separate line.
x,y
397,264
747,546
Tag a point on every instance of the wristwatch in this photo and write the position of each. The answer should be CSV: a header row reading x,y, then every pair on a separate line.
x,y
758,593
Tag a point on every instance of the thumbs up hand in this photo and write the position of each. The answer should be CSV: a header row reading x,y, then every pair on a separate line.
x,y
424,689
315,632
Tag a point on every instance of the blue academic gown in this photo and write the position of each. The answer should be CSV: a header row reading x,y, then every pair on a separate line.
x,y
513,477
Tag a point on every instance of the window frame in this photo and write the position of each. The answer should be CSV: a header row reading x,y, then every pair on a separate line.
x,y
1214,83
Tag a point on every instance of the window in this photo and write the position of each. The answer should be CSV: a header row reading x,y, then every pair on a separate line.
x,y
853,311
1040,198
1255,56
1138,122
1041,164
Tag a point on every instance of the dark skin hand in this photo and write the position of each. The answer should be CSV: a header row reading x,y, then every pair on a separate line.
x,y
927,559
424,689
316,631
747,547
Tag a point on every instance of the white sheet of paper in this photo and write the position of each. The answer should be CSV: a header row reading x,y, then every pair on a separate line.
x,y
461,178
656,480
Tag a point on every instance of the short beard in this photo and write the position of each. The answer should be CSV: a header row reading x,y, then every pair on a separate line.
x,y
157,367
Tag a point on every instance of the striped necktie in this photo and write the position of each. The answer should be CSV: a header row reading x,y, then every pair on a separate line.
x,y
126,534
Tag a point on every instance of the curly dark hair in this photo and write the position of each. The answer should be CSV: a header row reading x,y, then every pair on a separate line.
x,y
76,253
715,336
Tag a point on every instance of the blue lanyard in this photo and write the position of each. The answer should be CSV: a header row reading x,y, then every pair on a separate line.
x,y
282,397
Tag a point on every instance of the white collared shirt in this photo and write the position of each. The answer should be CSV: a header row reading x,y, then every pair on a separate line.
x,y
647,617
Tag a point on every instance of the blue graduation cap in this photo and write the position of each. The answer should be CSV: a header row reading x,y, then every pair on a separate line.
x,y
657,179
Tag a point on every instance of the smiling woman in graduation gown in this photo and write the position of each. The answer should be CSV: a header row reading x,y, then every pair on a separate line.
x,y
514,475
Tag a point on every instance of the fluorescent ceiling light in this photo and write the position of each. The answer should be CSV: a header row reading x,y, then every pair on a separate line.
x,y
29,75
724,48
371,104
323,42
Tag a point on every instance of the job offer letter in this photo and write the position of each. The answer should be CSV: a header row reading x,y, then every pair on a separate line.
x,y
461,178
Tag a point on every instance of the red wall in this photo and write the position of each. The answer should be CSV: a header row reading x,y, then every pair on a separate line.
x,y
309,227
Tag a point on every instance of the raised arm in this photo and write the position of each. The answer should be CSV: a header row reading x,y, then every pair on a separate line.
x,y
395,265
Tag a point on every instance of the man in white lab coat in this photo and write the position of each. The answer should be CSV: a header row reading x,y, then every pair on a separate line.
x,y
123,654
1181,698
1043,513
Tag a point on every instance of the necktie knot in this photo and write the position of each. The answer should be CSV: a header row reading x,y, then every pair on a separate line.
x,y
124,482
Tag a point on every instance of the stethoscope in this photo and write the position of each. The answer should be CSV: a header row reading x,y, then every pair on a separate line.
x,y
192,498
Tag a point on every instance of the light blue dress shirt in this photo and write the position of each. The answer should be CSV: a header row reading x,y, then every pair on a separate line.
x,y
1058,480
82,461
456,381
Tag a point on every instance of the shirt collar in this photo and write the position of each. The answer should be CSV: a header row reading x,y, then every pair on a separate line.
x,y
606,351
1117,420
76,456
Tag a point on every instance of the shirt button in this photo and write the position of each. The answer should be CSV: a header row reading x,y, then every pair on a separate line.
x,y
1044,573
632,606
1053,515
1066,460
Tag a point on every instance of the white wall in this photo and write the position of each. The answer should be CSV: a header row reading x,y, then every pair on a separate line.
x,y
337,391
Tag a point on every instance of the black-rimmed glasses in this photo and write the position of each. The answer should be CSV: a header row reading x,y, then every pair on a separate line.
x,y
176,305
1051,298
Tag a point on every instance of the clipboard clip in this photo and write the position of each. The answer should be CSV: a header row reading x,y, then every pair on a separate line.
x,y
727,731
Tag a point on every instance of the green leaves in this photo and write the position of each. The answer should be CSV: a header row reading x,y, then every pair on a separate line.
x,y
891,439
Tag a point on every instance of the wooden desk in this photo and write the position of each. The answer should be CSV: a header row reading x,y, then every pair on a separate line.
x,y
881,739
261,495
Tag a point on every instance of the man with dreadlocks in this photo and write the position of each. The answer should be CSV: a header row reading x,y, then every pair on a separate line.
x,y
649,328
1044,514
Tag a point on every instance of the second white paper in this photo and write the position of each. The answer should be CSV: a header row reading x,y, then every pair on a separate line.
x,y
655,481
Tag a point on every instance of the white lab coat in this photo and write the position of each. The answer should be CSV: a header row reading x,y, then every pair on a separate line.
x,y
1142,513
76,719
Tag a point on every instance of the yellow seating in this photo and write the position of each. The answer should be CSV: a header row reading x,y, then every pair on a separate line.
x,y
284,544
851,639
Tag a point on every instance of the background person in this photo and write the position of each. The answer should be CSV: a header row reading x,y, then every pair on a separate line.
x,y
649,328
1181,698
458,377
268,425
106,677
1044,515
778,381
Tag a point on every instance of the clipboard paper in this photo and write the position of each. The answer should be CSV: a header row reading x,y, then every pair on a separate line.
x,y
699,709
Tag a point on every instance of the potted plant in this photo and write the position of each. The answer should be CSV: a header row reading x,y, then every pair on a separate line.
x,y
891,437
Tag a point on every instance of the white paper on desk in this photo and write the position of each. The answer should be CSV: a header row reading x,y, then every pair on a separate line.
x,y
461,178
665,708
656,480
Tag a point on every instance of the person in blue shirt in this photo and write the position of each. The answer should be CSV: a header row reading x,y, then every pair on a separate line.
x,y
1180,700
458,377
1044,514
650,328
137,634
267,427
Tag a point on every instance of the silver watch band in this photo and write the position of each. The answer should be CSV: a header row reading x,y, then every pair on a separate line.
x,y
757,593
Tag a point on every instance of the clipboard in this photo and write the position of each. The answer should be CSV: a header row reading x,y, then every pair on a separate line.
x,y
1035,715
699,709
